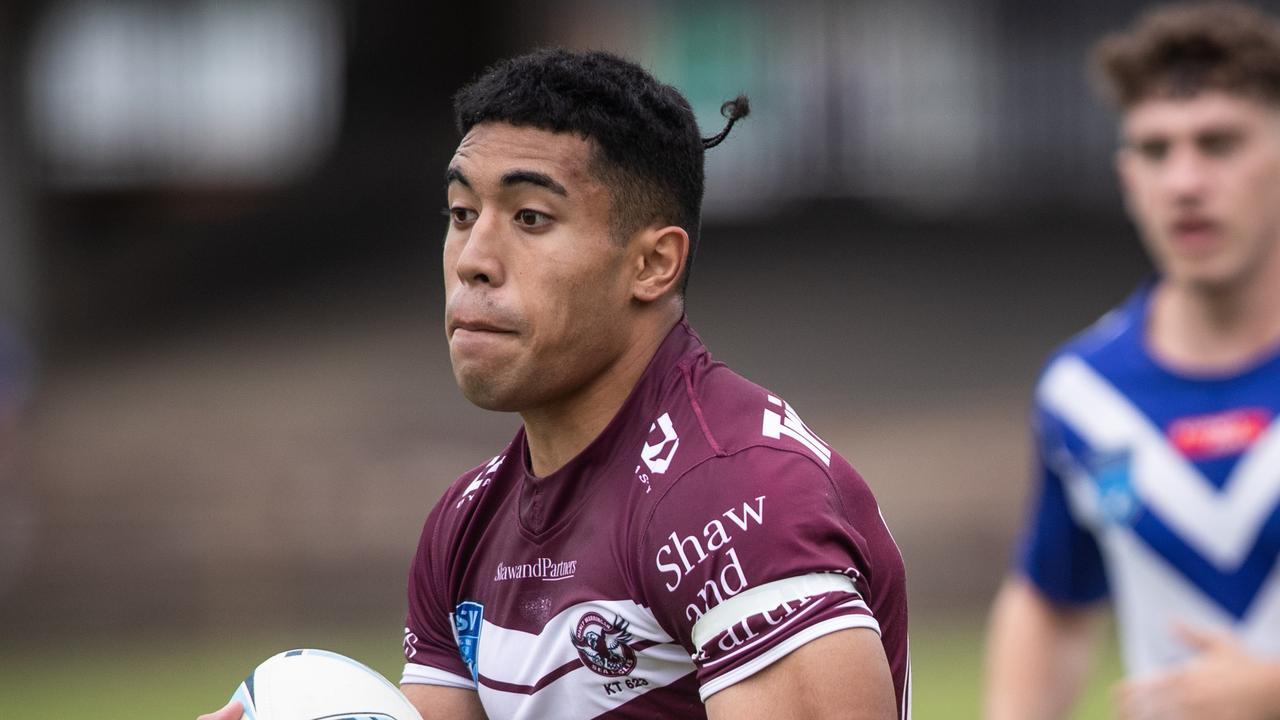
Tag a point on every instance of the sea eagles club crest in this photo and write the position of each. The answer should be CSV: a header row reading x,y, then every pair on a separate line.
x,y
603,645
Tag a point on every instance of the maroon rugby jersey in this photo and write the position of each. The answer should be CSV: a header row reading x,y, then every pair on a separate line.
x,y
706,533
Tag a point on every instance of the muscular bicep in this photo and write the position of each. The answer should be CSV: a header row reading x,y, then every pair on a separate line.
x,y
437,702
841,675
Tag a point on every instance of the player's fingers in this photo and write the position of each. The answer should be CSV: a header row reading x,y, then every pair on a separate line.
x,y
1125,699
1199,639
1144,700
232,711
1191,636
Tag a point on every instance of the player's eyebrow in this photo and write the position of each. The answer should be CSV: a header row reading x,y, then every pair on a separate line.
x,y
515,177
454,175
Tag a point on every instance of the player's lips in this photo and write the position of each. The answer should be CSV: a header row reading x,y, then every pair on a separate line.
x,y
469,329
477,318
477,326
1195,233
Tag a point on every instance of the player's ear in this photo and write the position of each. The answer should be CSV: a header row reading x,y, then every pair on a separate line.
x,y
659,260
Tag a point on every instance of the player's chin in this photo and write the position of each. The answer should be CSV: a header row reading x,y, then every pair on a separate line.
x,y
486,390
1208,274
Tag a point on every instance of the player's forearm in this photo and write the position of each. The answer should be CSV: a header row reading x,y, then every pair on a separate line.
x,y
435,702
842,675
1038,656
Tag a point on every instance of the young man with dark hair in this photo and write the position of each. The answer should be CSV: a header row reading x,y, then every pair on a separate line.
x,y
1156,429
662,538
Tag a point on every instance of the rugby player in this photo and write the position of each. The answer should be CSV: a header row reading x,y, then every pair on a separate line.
x,y
1158,445
662,538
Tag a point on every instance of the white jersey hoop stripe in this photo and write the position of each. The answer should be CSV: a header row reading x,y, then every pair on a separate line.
x,y
415,674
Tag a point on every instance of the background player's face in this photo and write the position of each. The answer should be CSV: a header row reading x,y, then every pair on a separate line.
x,y
536,290
1201,177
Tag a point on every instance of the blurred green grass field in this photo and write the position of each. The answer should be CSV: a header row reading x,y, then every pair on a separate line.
x,y
177,678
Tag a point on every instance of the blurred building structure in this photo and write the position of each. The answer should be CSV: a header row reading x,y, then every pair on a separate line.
x,y
165,135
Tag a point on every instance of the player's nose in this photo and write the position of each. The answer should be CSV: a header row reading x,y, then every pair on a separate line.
x,y
1186,176
480,259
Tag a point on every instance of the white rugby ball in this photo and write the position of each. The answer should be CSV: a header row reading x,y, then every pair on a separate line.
x,y
320,685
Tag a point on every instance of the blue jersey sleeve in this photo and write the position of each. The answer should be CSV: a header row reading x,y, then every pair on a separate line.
x,y
1057,553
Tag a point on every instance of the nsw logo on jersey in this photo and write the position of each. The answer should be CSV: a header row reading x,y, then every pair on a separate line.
x,y
467,619
1111,471
603,645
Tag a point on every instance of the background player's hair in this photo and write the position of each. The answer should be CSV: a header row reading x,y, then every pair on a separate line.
x,y
1181,50
649,150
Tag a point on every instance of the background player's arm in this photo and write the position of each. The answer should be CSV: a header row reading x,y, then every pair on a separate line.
x,y
841,675
1039,654
437,702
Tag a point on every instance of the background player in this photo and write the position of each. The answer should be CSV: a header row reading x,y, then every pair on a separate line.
x,y
661,533
1156,428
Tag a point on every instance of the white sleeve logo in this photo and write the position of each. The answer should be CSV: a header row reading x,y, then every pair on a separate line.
x,y
658,456
484,478
410,644
790,425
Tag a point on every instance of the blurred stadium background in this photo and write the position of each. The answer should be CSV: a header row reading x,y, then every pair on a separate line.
x,y
225,402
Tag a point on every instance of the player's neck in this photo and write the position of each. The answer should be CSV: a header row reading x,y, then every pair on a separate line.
x,y
556,433
1218,329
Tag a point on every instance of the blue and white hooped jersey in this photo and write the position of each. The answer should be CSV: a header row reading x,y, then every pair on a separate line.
x,y
1159,489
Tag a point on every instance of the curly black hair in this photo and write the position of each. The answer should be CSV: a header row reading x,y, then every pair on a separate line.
x,y
650,152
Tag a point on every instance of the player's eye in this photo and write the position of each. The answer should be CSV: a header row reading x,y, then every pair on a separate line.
x,y
531,219
461,215
1219,144
1153,150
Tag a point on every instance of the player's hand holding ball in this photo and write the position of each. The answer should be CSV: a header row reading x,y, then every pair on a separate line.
x,y
232,711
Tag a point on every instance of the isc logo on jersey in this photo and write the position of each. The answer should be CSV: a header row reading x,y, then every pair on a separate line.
x,y
657,455
659,449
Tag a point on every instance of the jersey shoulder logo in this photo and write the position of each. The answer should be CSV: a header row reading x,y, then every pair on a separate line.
x,y
410,643
659,454
604,646
467,619
484,478
787,423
